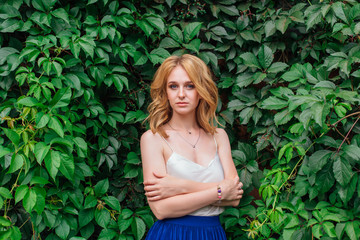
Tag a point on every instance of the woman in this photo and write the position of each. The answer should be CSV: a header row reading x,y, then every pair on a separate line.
x,y
188,170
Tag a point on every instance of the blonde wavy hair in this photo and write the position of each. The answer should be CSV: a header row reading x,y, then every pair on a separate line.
x,y
159,109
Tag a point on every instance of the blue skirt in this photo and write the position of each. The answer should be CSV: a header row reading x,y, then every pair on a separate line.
x,y
187,228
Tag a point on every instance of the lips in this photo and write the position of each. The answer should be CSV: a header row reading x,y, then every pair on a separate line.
x,y
181,103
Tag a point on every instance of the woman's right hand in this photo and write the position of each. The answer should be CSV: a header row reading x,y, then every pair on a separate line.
x,y
231,189
162,186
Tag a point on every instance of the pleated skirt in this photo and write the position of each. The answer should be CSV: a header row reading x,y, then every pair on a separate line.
x,y
187,228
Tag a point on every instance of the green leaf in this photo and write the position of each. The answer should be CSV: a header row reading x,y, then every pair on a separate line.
x,y
329,229
102,217
219,30
17,161
90,201
29,200
273,103
63,229
283,117
61,98
145,26
21,191
191,30
5,52
67,166
139,228
169,43
246,114
250,60
270,28
52,163
133,158
313,19
85,217
352,151
12,135
316,230
124,224
62,14
158,23
277,67
342,171
229,10
194,45
113,202
282,24
55,124
318,159
320,111
38,180
87,44
49,218
41,150
338,8
350,230
42,121
28,101
4,222
10,25
265,56
74,81
5,193
101,187
176,34
8,11
40,199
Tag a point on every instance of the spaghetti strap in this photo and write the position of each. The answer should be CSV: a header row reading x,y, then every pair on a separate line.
x,y
167,143
215,143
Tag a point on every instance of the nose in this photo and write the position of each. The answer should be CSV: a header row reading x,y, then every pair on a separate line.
x,y
181,93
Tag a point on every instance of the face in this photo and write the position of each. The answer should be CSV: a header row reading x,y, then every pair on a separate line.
x,y
181,92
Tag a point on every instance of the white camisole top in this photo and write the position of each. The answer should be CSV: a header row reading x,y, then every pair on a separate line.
x,y
181,167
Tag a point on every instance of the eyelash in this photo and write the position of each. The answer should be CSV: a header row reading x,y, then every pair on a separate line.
x,y
173,86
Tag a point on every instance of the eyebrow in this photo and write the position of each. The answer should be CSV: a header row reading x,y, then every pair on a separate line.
x,y
177,82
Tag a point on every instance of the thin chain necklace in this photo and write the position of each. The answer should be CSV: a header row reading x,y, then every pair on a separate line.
x,y
193,145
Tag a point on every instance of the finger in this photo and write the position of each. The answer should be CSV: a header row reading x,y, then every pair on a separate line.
x,y
237,178
151,194
150,188
241,185
150,182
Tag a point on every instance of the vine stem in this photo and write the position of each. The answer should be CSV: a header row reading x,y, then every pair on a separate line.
x,y
12,188
282,185
352,114
337,152
302,157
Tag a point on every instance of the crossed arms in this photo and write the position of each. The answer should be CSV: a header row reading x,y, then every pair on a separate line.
x,y
171,197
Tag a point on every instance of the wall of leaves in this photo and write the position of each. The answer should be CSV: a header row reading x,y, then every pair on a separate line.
x,y
74,86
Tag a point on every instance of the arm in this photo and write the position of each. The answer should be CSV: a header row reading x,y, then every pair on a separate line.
x,y
227,162
178,205
164,186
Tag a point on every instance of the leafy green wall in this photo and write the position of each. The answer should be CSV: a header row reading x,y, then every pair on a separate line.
x,y
74,86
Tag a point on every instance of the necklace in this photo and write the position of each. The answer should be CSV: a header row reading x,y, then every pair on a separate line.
x,y
193,145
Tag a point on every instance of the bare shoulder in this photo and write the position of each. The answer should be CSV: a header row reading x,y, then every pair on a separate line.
x,y
150,138
221,134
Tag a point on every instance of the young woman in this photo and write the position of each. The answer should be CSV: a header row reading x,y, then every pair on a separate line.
x,y
189,174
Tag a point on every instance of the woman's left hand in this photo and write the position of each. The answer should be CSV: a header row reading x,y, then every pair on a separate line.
x,y
162,186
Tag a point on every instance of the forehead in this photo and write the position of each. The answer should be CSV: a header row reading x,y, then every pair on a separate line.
x,y
178,74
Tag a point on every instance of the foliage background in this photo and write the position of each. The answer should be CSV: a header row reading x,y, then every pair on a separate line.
x,y
74,86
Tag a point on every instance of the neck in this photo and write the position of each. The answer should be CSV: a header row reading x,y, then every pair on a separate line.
x,y
184,122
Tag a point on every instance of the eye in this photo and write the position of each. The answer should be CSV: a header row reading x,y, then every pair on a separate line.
x,y
190,86
172,86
